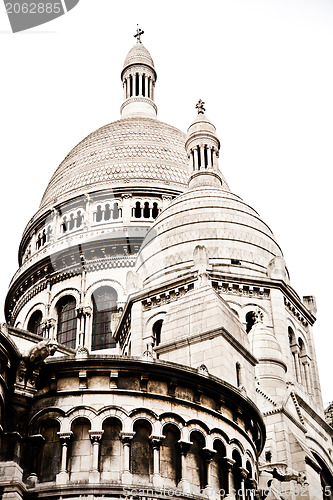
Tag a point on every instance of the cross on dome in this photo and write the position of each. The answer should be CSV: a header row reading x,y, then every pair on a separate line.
x,y
200,106
138,34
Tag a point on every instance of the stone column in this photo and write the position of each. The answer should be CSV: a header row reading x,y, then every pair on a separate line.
x,y
209,157
126,438
229,463
196,158
146,85
254,486
126,208
95,438
306,367
156,442
63,476
83,313
184,446
191,161
243,473
208,457
202,156
295,353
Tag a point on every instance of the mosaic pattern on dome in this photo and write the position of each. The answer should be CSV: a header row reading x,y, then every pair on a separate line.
x,y
131,150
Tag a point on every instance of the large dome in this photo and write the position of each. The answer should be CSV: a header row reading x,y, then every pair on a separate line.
x,y
135,150
235,237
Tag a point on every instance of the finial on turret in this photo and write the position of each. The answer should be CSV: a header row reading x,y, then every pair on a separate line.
x,y
138,34
200,107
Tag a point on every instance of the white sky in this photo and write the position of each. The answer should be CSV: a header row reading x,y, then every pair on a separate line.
x,y
264,69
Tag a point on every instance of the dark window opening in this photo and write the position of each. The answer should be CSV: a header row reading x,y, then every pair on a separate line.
x,y
35,323
157,329
199,157
238,374
268,456
99,214
107,212
64,224
71,222
250,319
146,210
137,210
115,211
154,212
143,85
79,219
67,322
131,85
104,305
136,84
206,157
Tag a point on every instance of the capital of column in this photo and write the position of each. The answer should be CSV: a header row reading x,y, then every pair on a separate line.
x,y
95,436
243,472
208,454
65,436
229,463
184,447
82,311
156,441
294,348
126,437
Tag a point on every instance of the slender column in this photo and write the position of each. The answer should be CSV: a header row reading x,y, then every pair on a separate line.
x,y
196,159
146,85
152,90
306,375
202,155
208,456
126,438
209,157
95,438
254,486
124,90
83,313
184,446
191,161
243,473
295,353
156,442
229,462
64,438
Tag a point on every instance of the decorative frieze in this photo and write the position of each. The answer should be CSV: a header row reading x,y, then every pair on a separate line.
x,y
240,289
295,312
166,297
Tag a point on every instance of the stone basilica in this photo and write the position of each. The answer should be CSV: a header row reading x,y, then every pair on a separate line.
x,y
154,346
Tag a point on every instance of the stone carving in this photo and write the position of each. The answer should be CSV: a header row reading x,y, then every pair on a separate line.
x,y
41,351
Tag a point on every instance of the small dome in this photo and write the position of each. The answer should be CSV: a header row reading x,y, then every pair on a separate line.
x,y
236,239
138,55
201,124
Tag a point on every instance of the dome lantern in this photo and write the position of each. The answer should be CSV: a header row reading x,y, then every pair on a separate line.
x,y
202,148
138,78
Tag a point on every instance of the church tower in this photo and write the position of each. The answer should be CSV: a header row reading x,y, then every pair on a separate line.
x,y
154,345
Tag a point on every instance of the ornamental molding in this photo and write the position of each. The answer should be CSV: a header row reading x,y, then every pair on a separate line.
x,y
295,312
231,288
166,297
138,99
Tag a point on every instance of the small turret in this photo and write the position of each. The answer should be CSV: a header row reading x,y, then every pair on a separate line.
x,y
202,147
138,77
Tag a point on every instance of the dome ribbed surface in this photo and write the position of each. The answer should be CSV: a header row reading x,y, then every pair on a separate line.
x,y
138,55
215,218
130,151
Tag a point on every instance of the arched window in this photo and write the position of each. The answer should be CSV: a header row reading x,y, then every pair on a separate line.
x,y
236,476
50,452
116,211
157,329
219,472
35,323
137,210
154,212
170,456
141,450
104,305
66,333
80,455
79,218
195,462
107,212
250,319
146,210
99,214
111,449
248,486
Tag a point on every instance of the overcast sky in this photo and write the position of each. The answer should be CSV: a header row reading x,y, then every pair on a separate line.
x,y
264,69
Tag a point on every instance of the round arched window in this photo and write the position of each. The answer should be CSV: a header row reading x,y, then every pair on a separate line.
x,y
35,323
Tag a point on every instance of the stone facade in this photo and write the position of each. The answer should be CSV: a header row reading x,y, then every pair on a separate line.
x,y
154,345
